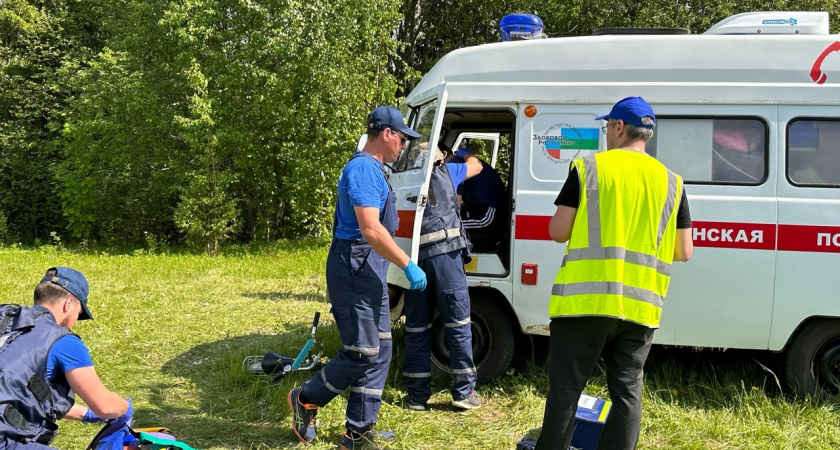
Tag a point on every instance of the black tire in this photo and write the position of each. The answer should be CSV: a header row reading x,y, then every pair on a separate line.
x,y
396,300
493,340
812,361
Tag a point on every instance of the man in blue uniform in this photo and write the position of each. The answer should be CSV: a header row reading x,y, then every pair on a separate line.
x,y
442,243
483,208
44,365
362,247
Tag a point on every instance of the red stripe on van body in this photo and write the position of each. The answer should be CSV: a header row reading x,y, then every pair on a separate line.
x,y
809,238
756,236
406,222
751,236
533,228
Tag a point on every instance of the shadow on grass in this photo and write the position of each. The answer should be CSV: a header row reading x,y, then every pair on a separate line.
x,y
219,404
276,297
677,376
226,405
711,378
714,379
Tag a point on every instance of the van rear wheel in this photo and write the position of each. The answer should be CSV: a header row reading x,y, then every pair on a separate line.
x,y
812,363
493,340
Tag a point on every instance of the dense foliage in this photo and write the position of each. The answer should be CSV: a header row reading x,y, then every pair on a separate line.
x,y
220,117
132,121
41,44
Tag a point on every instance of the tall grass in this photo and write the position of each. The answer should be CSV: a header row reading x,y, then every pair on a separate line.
x,y
171,331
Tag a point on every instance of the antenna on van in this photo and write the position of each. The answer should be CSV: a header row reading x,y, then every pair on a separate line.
x,y
521,27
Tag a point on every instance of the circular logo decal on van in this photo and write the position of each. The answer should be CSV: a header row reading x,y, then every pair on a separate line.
x,y
562,142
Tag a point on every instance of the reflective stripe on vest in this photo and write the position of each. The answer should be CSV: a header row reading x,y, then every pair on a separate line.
x,y
618,260
439,235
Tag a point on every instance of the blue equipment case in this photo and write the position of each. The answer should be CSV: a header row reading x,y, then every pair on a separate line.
x,y
590,417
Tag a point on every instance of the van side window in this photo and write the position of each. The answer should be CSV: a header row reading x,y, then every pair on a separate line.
x,y
414,157
813,152
712,150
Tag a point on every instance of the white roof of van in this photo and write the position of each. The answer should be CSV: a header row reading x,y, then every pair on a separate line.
x,y
495,71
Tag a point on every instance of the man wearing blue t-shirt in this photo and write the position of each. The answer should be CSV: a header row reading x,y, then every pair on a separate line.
x,y
442,244
44,365
484,211
362,247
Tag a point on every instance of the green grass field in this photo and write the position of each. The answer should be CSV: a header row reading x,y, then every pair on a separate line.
x,y
171,331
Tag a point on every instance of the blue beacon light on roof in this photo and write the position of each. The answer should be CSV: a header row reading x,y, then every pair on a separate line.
x,y
518,26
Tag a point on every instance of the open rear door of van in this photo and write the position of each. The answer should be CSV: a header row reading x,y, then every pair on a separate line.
x,y
411,173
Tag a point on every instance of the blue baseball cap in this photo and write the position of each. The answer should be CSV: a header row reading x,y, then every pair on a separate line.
x,y
389,117
73,282
631,110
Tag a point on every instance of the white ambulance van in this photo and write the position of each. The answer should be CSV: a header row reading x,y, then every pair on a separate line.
x,y
747,112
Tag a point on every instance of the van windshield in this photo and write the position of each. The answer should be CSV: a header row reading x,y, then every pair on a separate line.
x,y
414,156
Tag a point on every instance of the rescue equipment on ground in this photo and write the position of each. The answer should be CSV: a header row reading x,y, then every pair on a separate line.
x,y
278,366
122,437
590,417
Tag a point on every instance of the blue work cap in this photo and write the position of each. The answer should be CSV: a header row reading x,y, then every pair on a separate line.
x,y
73,282
389,117
631,110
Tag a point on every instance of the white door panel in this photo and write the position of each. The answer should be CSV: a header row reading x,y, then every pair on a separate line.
x,y
410,177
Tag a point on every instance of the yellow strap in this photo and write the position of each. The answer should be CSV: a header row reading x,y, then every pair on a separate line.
x,y
153,430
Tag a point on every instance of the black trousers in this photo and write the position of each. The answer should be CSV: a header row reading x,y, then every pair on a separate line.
x,y
576,345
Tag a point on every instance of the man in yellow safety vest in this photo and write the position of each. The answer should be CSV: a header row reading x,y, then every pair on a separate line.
x,y
626,218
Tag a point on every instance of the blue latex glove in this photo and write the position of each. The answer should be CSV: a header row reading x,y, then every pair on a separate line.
x,y
124,419
415,276
462,152
90,417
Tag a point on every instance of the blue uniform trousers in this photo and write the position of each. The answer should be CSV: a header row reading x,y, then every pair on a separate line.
x,y
359,294
7,444
446,288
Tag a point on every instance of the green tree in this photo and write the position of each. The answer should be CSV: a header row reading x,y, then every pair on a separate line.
x,y
282,91
41,42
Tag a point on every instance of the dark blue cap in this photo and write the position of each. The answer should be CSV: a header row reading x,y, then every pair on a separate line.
x,y
631,110
389,117
73,282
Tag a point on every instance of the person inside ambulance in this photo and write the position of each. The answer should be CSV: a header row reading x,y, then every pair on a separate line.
x,y
43,365
483,201
738,151
443,245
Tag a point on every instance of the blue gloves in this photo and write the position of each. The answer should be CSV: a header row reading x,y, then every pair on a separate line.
x,y
90,417
415,276
462,152
124,419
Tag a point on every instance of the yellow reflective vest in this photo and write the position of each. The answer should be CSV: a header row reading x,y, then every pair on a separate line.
x,y
618,259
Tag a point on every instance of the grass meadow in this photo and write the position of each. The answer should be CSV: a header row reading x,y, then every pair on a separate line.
x,y
171,331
